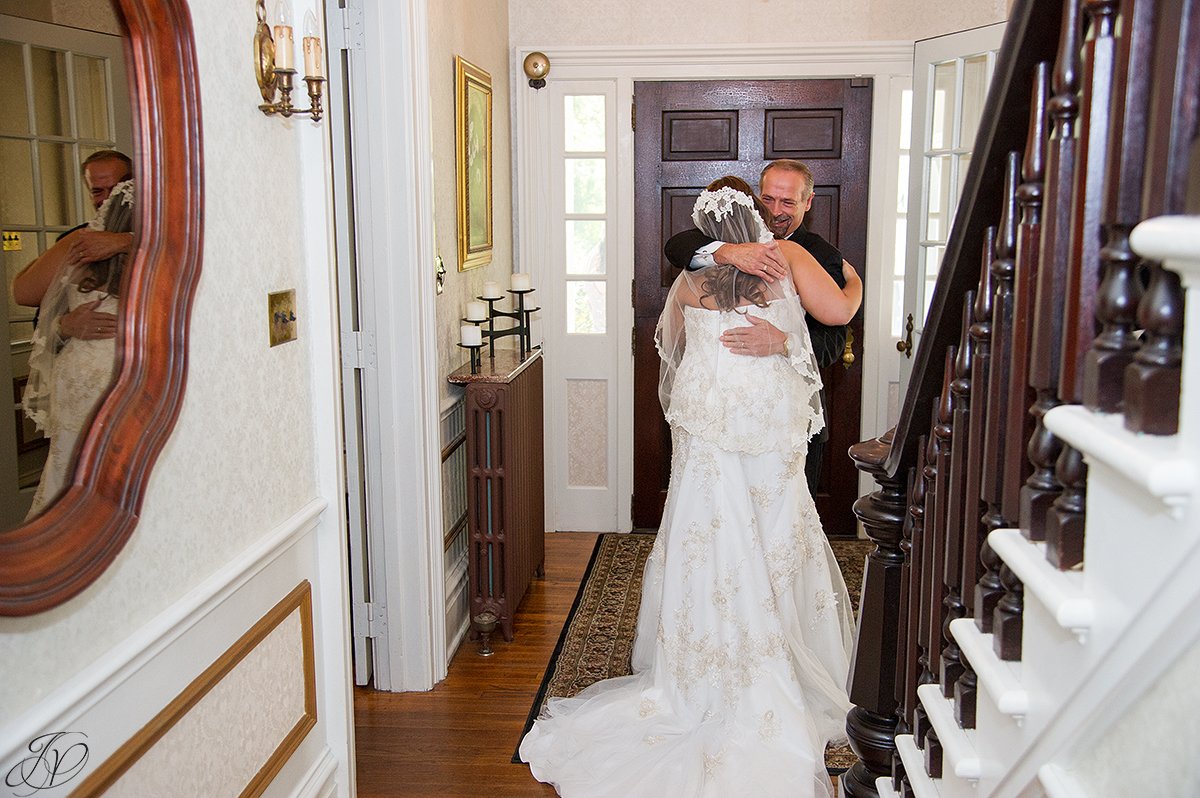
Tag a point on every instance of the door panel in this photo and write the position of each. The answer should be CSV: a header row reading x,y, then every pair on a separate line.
x,y
689,133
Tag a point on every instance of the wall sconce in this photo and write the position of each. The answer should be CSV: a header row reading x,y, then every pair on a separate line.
x,y
537,67
275,66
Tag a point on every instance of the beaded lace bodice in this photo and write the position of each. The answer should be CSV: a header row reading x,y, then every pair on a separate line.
x,y
743,403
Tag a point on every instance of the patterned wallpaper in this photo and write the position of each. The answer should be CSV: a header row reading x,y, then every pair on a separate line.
x,y
689,22
241,457
477,32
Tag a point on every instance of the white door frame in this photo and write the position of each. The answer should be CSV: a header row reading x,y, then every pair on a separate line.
x,y
393,169
532,154
926,54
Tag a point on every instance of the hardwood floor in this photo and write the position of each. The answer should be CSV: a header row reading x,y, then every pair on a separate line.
x,y
458,739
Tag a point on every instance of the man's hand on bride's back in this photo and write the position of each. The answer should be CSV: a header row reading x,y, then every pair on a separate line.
x,y
759,339
763,260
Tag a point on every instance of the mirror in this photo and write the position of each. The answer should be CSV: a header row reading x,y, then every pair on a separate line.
x,y
59,552
64,117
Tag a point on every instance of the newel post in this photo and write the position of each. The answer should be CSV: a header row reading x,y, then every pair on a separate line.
x,y
871,724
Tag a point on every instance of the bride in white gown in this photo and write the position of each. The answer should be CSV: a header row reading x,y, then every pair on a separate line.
x,y
68,378
744,630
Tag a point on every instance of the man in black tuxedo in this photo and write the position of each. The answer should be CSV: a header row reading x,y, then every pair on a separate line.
x,y
786,187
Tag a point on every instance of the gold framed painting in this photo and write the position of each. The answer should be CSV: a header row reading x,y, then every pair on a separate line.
x,y
473,164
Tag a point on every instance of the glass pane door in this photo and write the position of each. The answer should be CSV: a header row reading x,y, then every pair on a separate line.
x,y
951,75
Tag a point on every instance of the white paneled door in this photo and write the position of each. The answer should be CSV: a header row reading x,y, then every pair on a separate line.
x,y
583,328
951,76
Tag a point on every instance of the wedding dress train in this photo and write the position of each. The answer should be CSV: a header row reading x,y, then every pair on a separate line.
x,y
743,634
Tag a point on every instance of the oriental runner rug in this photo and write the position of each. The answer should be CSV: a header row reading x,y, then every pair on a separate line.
x,y
597,638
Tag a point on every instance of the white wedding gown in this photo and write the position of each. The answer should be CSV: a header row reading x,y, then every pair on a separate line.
x,y
83,372
744,630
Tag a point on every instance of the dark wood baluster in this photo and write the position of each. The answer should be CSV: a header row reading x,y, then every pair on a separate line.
x,y
1152,381
910,652
1006,617
871,723
1042,487
937,534
944,431
1021,395
1065,524
955,608
933,755
1065,528
1083,267
987,565
906,661
925,608
973,537
1121,290
1008,624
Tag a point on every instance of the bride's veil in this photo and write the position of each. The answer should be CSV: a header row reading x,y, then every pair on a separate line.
x,y
729,215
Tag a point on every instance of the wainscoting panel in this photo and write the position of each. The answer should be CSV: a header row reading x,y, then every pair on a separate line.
x,y
222,694
247,712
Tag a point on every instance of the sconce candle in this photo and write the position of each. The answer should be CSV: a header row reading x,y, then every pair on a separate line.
x,y
471,335
313,62
521,281
285,46
491,290
476,311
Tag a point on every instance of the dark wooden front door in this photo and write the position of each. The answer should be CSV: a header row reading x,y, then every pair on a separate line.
x,y
689,133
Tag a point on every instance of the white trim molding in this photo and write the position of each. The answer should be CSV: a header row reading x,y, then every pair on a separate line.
x,y
123,690
394,178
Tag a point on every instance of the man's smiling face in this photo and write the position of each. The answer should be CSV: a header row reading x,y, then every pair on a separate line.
x,y
787,195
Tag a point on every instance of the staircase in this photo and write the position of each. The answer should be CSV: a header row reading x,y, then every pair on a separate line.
x,y
1027,625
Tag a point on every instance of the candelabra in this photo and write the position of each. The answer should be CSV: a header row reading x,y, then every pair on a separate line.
x,y
474,335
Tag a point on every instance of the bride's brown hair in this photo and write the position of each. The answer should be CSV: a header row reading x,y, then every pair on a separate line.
x,y
728,286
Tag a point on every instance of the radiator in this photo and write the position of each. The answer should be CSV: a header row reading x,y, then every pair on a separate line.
x,y
505,482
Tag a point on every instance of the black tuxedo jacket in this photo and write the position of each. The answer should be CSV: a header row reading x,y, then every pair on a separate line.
x,y
828,342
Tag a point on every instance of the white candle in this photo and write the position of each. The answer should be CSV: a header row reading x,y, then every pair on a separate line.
x,y
476,311
471,335
491,290
313,63
284,46
521,281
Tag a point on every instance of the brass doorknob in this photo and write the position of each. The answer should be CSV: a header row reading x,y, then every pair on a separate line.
x,y
905,346
848,352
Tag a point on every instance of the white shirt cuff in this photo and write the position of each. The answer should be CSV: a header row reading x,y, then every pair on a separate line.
x,y
704,255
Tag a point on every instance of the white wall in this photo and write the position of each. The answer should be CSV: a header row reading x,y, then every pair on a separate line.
x,y
585,22
477,31
246,455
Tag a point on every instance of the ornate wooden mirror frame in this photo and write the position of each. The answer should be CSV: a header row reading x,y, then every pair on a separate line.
x,y
62,551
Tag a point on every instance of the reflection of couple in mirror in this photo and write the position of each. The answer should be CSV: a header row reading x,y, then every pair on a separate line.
x,y
76,286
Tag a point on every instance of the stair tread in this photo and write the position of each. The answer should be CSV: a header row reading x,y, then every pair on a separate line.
x,y
1156,463
1000,679
883,786
958,744
914,766
1063,593
1058,783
